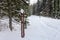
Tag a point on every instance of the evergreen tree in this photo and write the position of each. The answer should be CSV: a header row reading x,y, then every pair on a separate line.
x,y
10,8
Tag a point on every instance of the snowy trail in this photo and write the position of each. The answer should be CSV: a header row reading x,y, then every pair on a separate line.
x,y
49,27
52,23
40,28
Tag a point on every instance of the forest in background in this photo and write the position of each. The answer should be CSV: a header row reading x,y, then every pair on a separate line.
x,y
49,8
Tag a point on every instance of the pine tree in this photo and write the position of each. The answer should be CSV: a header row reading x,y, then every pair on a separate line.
x,y
10,6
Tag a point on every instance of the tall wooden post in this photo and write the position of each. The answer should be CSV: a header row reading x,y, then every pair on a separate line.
x,y
22,22
22,26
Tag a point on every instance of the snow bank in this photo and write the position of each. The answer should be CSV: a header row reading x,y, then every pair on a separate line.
x,y
4,24
41,28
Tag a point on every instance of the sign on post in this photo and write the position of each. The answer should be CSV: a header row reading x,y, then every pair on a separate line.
x,y
22,23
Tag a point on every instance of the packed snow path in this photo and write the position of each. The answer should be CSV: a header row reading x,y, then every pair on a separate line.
x,y
40,28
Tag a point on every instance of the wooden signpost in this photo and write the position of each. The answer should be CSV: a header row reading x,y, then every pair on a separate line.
x,y
22,23
22,26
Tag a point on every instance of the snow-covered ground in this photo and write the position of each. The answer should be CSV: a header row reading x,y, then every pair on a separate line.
x,y
40,28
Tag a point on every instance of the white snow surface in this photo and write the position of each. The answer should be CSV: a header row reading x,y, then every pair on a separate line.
x,y
40,28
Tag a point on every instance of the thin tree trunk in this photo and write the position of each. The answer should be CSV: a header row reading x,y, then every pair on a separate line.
x,y
10,22
10,15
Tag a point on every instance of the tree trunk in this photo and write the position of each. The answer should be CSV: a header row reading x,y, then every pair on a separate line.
x,y
10,22
10,15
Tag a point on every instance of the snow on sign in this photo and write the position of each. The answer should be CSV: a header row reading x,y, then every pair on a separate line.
x,y
22,11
